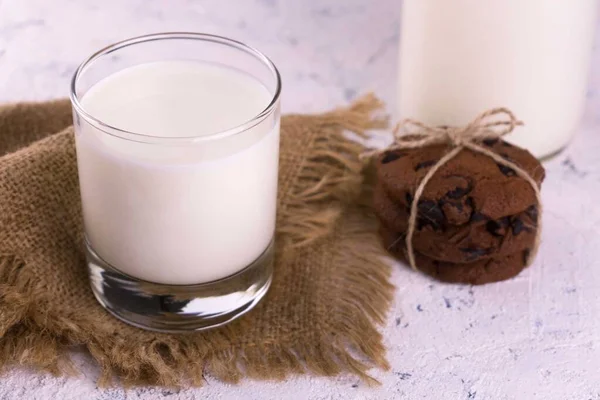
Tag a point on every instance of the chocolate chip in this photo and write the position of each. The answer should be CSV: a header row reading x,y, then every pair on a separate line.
x,y
493,227
458,192
518,226
507,171
430,213
477,216
532,213
490,142
425,164
498,227
526,254
390,156
474,253
409,199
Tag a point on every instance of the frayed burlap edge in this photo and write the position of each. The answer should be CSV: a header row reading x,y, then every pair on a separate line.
x,y
331,177
322,195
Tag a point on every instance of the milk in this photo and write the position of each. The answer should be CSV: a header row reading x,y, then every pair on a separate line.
x,y
179,206
461,57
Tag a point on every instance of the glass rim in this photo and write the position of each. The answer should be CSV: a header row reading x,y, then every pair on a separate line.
x,y
144,138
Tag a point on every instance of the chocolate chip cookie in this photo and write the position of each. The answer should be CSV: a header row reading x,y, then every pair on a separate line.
x,y
439,237
468,188
475,273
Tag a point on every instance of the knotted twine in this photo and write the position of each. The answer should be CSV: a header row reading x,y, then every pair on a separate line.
x,y
492,124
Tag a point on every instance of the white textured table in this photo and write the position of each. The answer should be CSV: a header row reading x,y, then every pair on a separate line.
x,y
534,337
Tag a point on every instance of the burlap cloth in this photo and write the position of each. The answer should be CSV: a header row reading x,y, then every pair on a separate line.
x,y
330,286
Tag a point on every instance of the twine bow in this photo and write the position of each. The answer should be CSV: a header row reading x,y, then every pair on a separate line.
x,y
492,124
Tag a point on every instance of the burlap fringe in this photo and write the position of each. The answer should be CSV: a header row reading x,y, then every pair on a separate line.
x,y
34,335
331,176
19,344
41,339
327,355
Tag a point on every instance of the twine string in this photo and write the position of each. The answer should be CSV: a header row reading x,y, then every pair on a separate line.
x,y
492,124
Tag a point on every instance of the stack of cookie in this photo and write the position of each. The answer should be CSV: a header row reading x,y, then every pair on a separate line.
x,y
476,220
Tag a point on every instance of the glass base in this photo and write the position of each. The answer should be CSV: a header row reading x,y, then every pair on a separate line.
x,y
179,308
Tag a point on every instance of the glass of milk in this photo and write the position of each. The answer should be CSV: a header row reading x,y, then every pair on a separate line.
x,y
177,139
461,57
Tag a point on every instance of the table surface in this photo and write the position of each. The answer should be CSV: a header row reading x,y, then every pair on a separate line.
x,y
536,336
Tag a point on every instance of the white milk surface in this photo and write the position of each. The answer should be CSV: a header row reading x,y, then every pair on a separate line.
x,y
178,212
461,57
